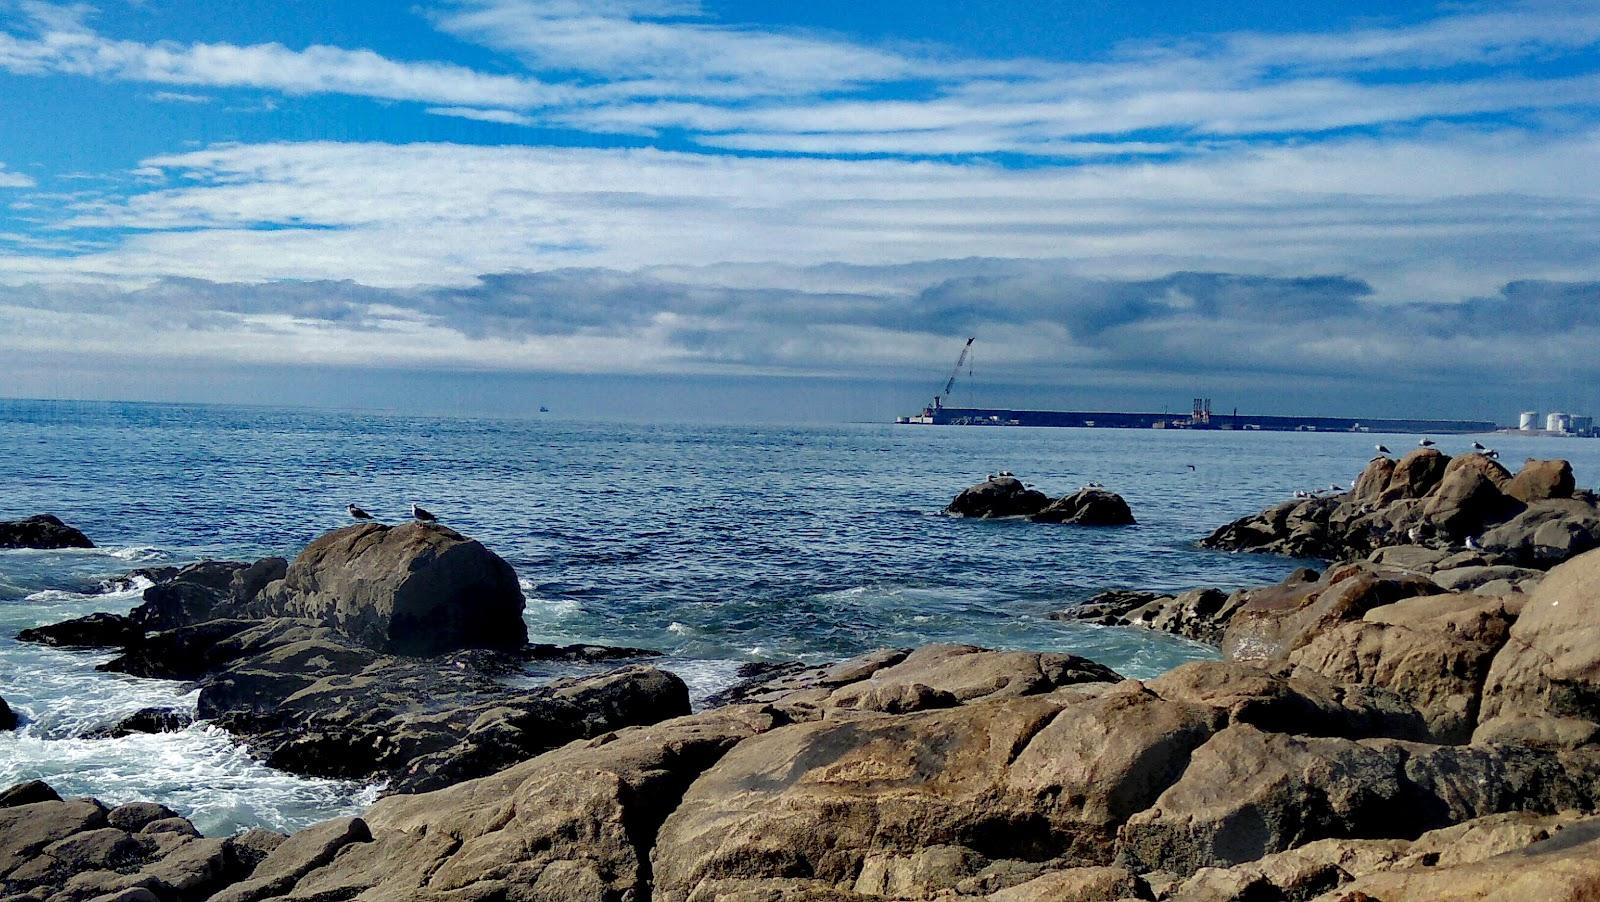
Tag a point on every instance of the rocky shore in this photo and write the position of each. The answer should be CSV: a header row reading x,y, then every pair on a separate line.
x,y
1417,720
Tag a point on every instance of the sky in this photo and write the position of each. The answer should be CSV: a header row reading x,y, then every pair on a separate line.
x,y
762,209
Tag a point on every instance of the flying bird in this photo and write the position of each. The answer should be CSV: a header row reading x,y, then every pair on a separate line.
x,y
422,515
356,512
1426,443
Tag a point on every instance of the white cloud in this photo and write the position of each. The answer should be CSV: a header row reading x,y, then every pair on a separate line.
x,y
62,44
178,97
14,179
503,117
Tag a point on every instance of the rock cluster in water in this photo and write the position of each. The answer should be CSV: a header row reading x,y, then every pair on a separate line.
x,y
1007,496
1534,519
42,531
299,659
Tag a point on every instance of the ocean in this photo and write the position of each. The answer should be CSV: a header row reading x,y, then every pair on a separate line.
x,y
715,544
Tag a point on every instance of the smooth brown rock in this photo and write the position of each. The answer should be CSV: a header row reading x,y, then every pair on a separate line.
x,y
1248,793
819,798
1091,884
1439,674
1271,624
1550,666
311,848
1542,480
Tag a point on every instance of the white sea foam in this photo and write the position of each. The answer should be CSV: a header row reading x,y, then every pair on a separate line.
x,y
199,772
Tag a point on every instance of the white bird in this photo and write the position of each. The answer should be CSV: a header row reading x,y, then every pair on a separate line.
x,y
1478,446
1301,493
1415,535
1426,443
1335,487
1384,449
422,515
1492,454
356,512
1472,544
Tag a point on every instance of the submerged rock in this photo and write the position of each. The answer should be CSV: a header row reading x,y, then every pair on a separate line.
x,y
8,717
42,531
144,720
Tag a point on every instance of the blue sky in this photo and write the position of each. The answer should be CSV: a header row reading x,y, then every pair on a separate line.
x,y
1289,206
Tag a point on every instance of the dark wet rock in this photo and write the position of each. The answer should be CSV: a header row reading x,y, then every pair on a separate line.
x,y
1088,507
42,531
416,589
28,793
185,653
98,630
1003,496
1199,614
144,720
8,717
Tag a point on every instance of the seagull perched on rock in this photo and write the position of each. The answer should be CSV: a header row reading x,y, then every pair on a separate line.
x,y
1479,446
356,512
1472,544
422,515
1335,487
1384,449
1426,443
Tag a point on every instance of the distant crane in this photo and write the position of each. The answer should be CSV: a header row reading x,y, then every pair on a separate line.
x,y
950,384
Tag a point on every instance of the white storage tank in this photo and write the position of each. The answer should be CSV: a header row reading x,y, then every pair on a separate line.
x,y
1558,422
1529,421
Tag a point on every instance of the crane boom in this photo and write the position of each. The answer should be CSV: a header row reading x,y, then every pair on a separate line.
x,y
950,384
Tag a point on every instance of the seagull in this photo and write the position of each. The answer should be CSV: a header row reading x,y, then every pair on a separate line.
x,y
1478,446
422,515
1492,454
1472,544
1301,493
1426,443
1190,466
1384,449
356,512
1415,535
1335,487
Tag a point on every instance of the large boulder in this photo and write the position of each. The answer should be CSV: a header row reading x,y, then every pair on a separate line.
x,y
1542,480
42,531
1001,496
1088,507
417,588
1549,669
8,717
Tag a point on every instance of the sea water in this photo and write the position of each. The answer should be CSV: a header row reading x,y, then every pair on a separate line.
x,y
715,544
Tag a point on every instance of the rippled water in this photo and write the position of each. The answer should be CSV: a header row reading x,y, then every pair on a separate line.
x,y
714,544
